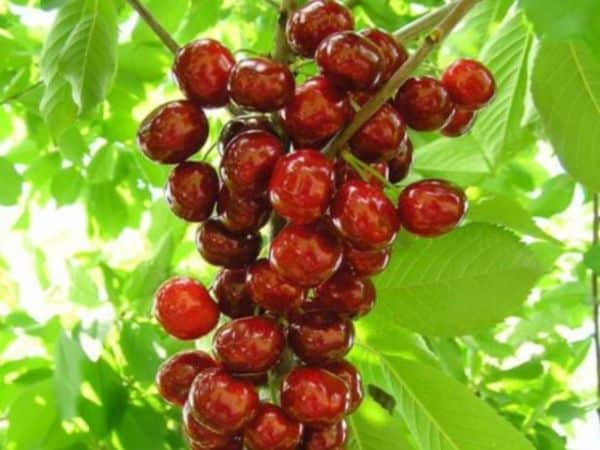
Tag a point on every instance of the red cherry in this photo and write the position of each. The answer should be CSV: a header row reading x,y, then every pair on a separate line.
x,y
400,164
314,397
344,173
261,84
320,337
364,215
173,132
366,263
431,208
345,293
302,186
221,402
192,190
351,377
424,104
202,70
235,443
175,376
470,84
315,21
221,247
317,112
306,255
272,429
333,437
271,291
232,294
201,436
238,125
393,54
460,123
184,308
242,215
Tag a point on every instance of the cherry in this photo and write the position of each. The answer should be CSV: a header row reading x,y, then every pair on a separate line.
x,y
239,124
314,397
175,376
470,84
173,132
202,70
344,173
248,162
350,61
271,291
306,255
201,436
424,103
366,263
185,309
242,215
232,294
460,122
393,54
364,215
235,443
351,377
344,293
192,190
400,164
333,437
431,208
261,84
315,21
302,185
221,402
249,345
221,247
317,112
272,429
319,337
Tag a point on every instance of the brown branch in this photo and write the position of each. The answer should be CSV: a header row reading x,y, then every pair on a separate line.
x,y
424,23
595,299
162,34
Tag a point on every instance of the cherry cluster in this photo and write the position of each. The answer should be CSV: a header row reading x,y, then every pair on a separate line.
x,y
292,311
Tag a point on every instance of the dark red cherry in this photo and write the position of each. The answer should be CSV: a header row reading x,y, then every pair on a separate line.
x,y
239,124
317,112
460,122
393,54
424,103
302,186
260,84
431,208
242,215
345,293
201,436
192,190
333,437
400,164
202,71
221,247
314,397
232,294
235,443
366,263
351,377
248,162
271,291
175,376
272,429
344,173
364,215
470,84
315,21
185,309
306,255
173,132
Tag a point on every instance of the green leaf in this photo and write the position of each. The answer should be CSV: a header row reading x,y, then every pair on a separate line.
x,y
592,258
142,428
68,358
556,196
106,209
137,343
66,186
72,146
103,165
83,289
10,187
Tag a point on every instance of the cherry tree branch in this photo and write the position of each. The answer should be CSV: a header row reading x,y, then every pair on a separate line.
x,y
595,299
158,29
425,23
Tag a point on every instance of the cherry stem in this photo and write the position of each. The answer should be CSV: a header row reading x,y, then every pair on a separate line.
x,y
424,23
162,34
595,299
364,170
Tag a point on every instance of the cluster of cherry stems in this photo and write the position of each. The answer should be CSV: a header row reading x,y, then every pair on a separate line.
x,y
292,311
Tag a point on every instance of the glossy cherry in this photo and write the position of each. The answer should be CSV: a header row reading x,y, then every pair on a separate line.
x,y
424,103
272,429
242,215
192,190
221,247
401,162
200,435
185,309
238,125
173,132
351,377
460,122
393,54
271,291
345,293
235,443
366,263
232,294
344,173
431,208
470,84
333,437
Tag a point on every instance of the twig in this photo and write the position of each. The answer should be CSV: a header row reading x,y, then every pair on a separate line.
x,y
162,34
20,94
282,49
424,23
595,299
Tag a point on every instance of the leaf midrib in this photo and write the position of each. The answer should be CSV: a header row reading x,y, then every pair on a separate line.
x,y
580,71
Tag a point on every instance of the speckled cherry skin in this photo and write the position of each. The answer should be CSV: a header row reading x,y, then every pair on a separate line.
x,y
364,215
185,309
175,376
318,111
261,84
430,208
200,435
192,190
366,263
272,429
173,132
333,437
202,71
238,125
345,293
347,372
470,84
400,164
302,185
424,103
460,122
271,291
235,443
315,21
393,54
248,162
344,173
306,255
314,397
242,215
232,294
221,402
220,247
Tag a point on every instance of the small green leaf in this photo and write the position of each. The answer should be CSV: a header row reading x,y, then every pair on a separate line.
x,y
103,165
556,196
66,186
10,186
83,289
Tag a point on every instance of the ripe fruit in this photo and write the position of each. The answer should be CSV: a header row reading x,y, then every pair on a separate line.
x,y
221,247
460,122
344,293
431,208
470,84
271,291
192,191
238,125
400,164
272,429
393,54
175,376
242,215
315,21
333,437
249,345
261,84
302,186
344,173
232,294
235,443
351,377
202,71
173,132
366,263
424,103
200,435
184,308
